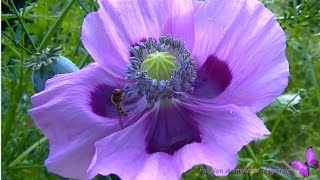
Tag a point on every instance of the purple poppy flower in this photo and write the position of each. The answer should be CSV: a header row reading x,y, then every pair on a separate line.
x,y
192,75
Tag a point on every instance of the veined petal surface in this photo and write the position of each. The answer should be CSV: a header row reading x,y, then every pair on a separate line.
x,y
119,24
75,111
245,36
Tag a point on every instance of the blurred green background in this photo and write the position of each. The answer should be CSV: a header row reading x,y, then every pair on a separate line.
x,y
294,124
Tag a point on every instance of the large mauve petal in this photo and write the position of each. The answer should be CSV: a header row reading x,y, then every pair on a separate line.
x,y
147,145
119,24
73,112
243,35
123,153
224,131
172,129
159,166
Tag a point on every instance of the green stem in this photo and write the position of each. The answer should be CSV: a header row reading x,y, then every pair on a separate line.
x,y
19,145
5,3
295,10
14,50
80,64
53,28
313,78
16,43
8,125
21,132
9,26
260,174
23,26
82,6
250,152
25,167
15,97
26,152
12,113
274,128
77,47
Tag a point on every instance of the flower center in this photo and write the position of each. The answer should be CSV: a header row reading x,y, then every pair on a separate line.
x,y
160,70
159,65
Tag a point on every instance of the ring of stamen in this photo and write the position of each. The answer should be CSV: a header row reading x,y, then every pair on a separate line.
x,y
180,80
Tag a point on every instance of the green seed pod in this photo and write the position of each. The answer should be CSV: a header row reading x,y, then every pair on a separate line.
x,y
60,65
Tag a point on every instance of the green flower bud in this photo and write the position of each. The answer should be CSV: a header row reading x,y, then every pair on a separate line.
x,y
297,113
303,93
59,65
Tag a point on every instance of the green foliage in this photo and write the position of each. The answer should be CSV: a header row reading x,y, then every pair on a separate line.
x,y
48,27
49,23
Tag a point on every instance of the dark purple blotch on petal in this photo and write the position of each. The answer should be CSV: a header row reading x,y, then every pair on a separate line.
x,y
101,101
111,176
172,130
213,77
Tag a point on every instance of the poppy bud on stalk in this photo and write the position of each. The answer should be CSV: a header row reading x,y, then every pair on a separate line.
x,y
48,64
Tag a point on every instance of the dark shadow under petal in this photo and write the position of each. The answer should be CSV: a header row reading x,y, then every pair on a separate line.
x,y
172,129
213,77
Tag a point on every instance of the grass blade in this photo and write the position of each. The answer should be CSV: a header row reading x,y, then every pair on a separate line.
x,y
53,28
